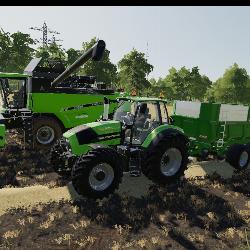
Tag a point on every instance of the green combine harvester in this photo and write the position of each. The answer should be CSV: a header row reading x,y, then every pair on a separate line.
x,y
44,102
143,138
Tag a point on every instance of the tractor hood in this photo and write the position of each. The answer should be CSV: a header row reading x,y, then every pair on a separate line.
x,y
103,132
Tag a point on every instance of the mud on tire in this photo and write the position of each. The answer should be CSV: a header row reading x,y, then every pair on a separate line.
x,y
87,165
153,167
59,159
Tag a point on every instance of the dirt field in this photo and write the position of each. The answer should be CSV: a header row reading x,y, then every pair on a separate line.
x,y
40,210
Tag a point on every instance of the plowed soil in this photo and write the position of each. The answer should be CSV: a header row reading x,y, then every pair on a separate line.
x,y
40,210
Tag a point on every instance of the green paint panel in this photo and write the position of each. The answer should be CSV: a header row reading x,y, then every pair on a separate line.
x,y
156,131
2,135
209,111
55,103
100,128
12,75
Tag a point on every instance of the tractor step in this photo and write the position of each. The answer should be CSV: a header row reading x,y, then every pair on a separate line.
x,y
135,162
27,119
135,172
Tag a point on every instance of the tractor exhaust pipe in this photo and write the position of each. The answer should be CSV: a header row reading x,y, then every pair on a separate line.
x,y
105,116
95,53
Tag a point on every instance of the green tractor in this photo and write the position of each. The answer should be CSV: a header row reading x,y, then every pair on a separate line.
x,y
47,100
139,139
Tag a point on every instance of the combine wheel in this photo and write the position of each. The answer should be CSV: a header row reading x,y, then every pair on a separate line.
x,y
97,174
46,131
238,156
167,161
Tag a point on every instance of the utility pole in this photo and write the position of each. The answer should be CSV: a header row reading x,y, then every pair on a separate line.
x,y
44,29
147,51
147,54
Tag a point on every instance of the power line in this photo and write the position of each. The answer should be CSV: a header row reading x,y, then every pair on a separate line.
x,y
44,29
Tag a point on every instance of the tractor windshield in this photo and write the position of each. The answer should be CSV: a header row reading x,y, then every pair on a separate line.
x,y
124,107
12,92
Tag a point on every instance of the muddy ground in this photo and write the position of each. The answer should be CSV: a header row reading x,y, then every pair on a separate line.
x,y
39,209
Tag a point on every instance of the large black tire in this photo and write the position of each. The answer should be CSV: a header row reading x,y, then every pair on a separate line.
x,y
235,154
40,126
82,173
156,158
60,159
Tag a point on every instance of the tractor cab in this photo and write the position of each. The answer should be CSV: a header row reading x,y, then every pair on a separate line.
x,y
13,90
140,117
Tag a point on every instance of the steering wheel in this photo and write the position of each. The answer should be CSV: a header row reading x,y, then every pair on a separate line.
x,y
128,119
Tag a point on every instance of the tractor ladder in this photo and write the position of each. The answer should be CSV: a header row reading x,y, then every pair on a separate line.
x,y
27,119
220,142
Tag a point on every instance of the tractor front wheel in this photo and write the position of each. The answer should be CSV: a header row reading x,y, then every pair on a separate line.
x,y
97,174
167,161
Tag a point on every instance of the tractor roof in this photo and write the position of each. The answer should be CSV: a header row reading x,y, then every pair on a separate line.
x,y
12,75
142,99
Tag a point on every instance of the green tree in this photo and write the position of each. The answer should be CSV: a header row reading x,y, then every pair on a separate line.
x,y
198,84
232,87
15,51
5,50
72,55
104,70
51,53
133,71
184,84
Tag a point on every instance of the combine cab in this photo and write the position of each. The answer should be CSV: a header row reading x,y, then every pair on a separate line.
x,y
46,101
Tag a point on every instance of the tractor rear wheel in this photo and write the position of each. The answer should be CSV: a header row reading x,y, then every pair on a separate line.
x,y
97,174
46,131
167,161
238,156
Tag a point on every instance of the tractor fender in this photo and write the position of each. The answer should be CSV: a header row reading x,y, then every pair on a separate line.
x,y
166,133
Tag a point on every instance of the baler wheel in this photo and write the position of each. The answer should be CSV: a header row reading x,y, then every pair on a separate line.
x,y
238,156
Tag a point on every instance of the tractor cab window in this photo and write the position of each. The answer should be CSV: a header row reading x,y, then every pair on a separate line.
x,y
124,107
147,119
13,92
164,113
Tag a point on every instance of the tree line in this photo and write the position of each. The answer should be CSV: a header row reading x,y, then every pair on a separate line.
x,y
17,49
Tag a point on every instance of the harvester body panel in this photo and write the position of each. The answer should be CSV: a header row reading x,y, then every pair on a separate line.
x,y
71,109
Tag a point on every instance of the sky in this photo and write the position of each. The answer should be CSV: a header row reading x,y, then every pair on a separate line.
x,y
212,38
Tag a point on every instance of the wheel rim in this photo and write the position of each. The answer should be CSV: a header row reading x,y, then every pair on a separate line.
x,y
101,176
171,162
45,135
243,159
